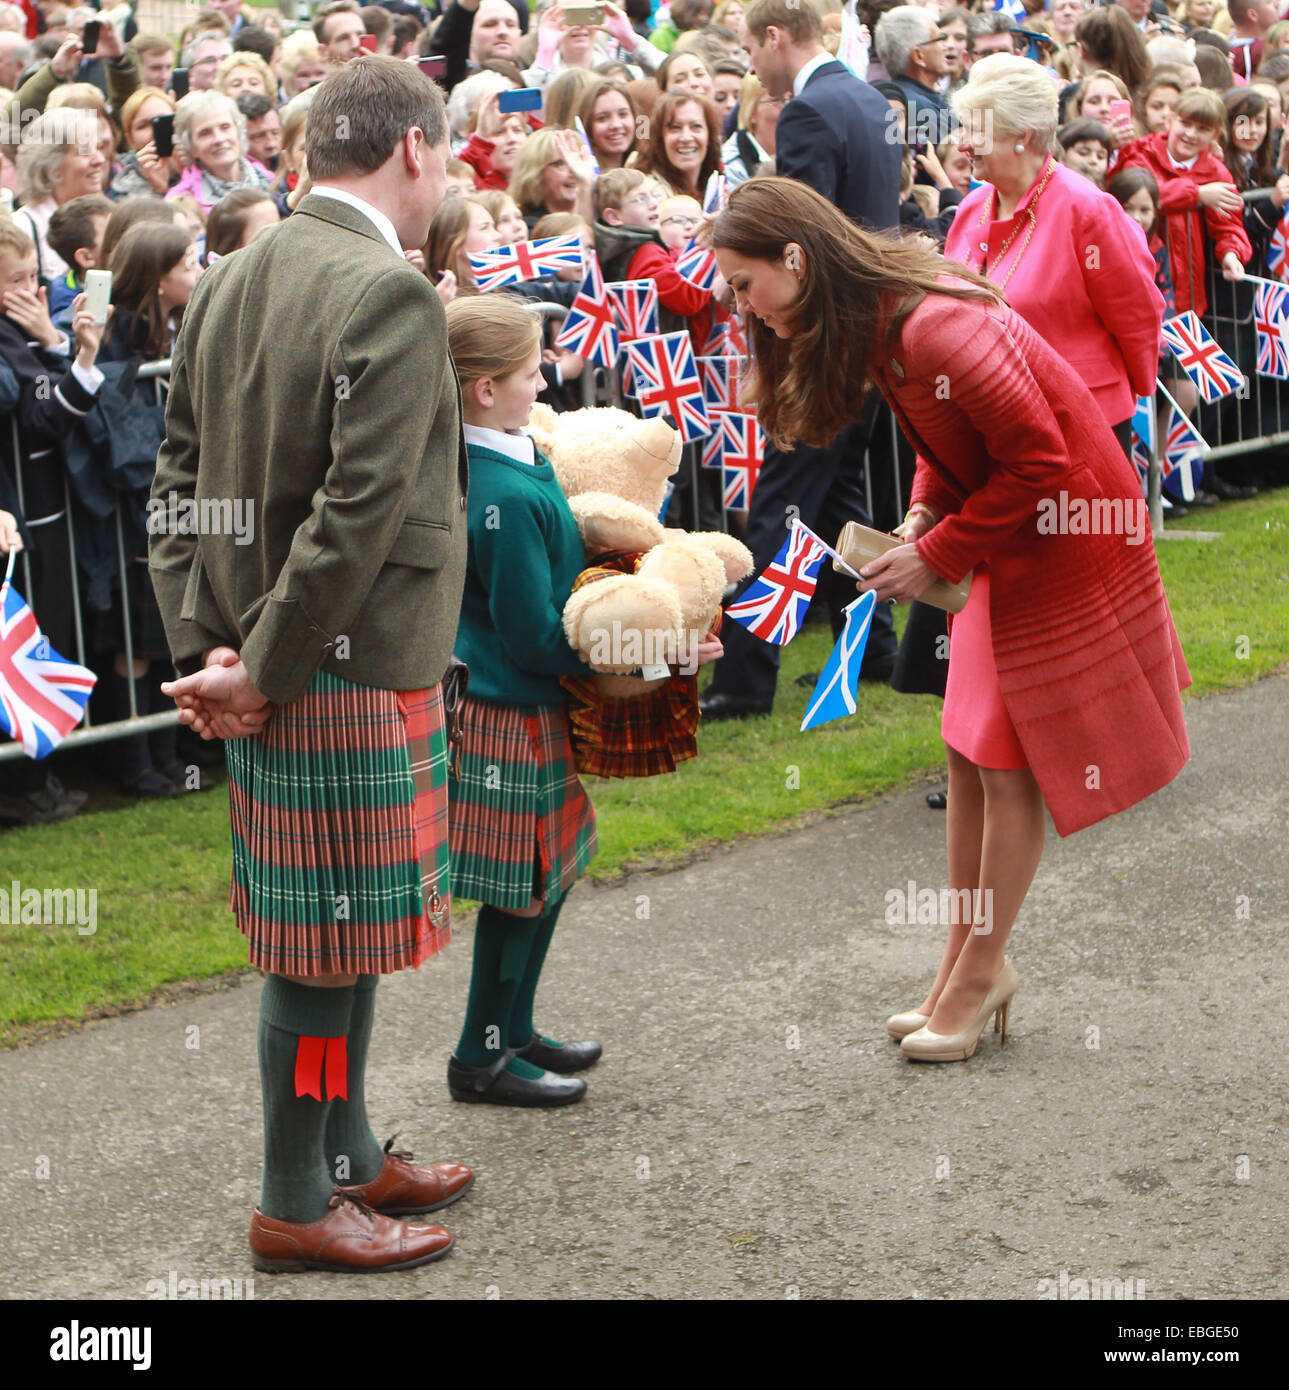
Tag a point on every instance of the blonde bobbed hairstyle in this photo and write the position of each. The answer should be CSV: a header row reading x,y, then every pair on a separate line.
x,y
1019,95
490,335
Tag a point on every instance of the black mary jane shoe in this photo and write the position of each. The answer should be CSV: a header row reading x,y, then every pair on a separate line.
x,y
494,1085
569,1058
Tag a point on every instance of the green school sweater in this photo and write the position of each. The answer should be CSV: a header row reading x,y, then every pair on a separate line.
x,y
524,554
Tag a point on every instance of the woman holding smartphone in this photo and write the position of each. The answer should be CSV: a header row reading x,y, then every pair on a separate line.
x,y
147,119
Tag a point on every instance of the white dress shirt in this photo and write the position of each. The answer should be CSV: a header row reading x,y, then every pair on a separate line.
x,y
516,446
809,70
374,215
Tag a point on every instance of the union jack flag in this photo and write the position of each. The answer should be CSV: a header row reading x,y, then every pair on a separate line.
x,y
712,447
720,383
775,603
1278,246
1143,434
590,329
1182,466
1201,359
697,264
742,454
636,304
42,695
526,260
666,381
1269,325
716,194
728,337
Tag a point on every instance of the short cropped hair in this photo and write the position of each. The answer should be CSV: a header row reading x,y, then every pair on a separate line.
x,y
1202,107
71,228
364,109
614,187
797,18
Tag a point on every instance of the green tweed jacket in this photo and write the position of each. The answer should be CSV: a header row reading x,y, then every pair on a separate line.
x,y
313,390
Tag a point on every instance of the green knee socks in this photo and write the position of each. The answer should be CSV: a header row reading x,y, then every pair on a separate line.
x,y
353,1153
297,1183
522,1027
502,946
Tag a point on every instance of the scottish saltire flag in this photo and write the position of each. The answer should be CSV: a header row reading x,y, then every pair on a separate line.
x,y
42,695
775,603
526,260
666,382
837,690
720,383
1269,325
716,195
590,330
635,302
1200,358
1182,464
697,264
1143,434
742,454
1279,244
1014,8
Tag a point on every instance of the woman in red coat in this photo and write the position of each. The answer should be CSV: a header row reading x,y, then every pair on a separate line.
x,y
1064,668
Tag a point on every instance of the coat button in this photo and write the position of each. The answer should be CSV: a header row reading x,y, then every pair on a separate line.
x,y
984,246
896,368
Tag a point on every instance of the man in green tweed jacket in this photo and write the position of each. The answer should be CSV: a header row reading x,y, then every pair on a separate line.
x,y
312,391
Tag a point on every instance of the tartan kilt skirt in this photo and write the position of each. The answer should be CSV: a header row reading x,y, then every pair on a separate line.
x,y
522,825
340,831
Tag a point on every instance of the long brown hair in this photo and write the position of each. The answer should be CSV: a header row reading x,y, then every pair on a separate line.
x,y
143,257
651,154
856,284
446,241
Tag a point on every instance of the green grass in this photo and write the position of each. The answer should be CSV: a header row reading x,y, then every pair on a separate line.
x,y
161,869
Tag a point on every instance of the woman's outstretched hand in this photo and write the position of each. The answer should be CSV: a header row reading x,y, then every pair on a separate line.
x,y
901,574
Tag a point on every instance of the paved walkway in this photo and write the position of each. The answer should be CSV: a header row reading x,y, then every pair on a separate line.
x,y
751,1131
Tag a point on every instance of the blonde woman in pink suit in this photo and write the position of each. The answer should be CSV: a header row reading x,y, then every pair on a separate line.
x,y
1064,254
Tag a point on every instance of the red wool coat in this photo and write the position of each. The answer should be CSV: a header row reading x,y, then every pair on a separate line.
x,y
1088,658
1183,223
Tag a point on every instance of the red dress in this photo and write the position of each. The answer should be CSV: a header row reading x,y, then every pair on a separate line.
x,y
1088,661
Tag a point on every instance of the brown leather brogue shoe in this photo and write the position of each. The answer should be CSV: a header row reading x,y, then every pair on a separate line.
x,y
402,1188
350,1239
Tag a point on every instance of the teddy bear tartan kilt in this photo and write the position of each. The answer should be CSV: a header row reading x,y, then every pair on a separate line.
x,y
522,825
340,831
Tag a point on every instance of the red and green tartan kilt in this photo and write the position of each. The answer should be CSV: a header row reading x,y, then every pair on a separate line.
x,y
521,822
340,831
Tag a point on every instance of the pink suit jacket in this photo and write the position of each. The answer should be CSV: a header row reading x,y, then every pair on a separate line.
x,y
1085,282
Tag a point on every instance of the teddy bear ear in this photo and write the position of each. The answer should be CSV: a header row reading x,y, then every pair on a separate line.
x,y
543,425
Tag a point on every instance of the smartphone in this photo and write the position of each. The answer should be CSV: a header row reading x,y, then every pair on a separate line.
x,y
179,82
98,293
577,15
435,66
163,134
367,42
1121,110
520,99
89,37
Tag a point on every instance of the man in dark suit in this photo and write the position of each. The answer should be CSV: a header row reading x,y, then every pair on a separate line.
x,y
312,390
839,136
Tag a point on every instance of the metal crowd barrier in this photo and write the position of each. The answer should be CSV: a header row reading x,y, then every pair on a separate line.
x,y
88,732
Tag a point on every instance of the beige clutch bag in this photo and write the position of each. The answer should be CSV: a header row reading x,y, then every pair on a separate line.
x,y
857,545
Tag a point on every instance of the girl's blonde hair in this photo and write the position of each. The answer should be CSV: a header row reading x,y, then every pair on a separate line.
x,y
490,335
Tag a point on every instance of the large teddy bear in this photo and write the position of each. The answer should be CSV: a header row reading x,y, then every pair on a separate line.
x,y
649,593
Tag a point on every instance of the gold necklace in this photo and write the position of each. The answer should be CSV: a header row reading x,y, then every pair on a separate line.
x,y
1031,213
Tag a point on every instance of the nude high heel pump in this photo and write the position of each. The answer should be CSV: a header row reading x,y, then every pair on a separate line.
x,y
901,1025
926,1046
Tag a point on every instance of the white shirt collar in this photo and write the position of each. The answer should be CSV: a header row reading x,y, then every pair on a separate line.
x,y
808,71
516,446
1182,163
374,215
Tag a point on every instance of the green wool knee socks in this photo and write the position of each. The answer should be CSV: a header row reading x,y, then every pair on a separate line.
x,y
502,945
353,1153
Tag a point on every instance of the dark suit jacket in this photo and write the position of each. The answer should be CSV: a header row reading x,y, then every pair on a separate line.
x,y
840,137
312,380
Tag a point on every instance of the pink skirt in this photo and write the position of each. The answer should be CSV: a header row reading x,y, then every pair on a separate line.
x,y
975,721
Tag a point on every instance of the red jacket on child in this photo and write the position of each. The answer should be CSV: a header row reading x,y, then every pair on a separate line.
x,y
1183,223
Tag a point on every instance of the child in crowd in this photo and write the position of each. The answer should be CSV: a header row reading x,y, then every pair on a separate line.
x,y
154,272
522,826
506,217
462,227
1086,147
630,247
460,178
1155,100
1198,200
494,141
679,219
956,164
76,233
237,219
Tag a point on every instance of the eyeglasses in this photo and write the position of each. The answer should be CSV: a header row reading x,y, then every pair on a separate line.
x,y
926,43
771,101
678,221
